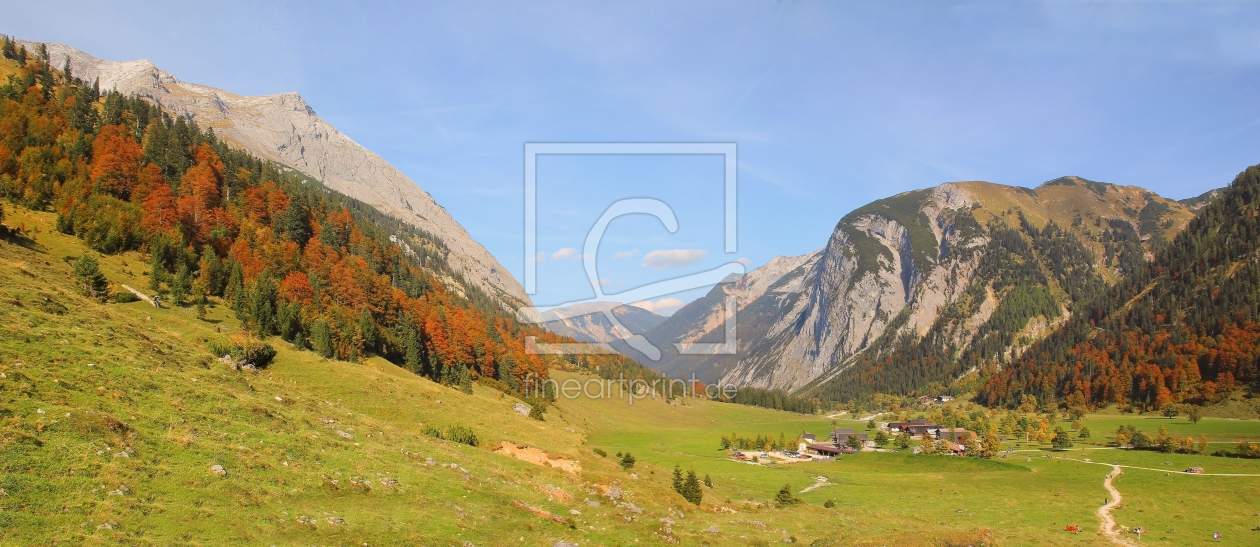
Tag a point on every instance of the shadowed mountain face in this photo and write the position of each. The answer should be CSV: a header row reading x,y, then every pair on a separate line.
x,y
284,129
961,275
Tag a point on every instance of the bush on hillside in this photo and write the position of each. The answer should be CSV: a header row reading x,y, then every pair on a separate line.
x,y
251,351
460,434
432,431
125,298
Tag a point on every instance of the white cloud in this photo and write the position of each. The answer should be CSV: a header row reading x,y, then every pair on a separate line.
x,y
625,254
664,306
564,253
672,258
540,257
606,282
747,263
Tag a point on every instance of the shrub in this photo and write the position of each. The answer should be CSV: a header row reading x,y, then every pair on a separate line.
x,y
601,452
253,352
258,353
460,434
219,349
627,461
432,431
829,504
785,496
125,298
537,410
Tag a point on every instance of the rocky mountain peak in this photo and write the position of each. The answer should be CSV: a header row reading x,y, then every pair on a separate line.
x,y
285,129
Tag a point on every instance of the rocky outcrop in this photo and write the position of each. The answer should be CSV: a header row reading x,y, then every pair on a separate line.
x,y
284,129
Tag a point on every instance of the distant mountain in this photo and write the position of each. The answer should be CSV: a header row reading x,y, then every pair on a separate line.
x,y
284,129
1184,328
915,291
586,322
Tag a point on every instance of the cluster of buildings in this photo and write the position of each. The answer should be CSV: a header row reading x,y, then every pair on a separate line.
x,y
838,441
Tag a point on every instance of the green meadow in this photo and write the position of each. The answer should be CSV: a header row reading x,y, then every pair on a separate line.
x,y
111,416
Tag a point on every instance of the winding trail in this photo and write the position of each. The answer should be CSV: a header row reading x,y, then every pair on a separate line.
x,y
1108,525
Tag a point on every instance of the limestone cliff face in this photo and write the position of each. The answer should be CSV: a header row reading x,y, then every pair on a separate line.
x,y
847,305
284,129
923,267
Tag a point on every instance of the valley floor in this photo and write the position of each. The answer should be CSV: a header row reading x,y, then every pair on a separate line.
x,y
112,417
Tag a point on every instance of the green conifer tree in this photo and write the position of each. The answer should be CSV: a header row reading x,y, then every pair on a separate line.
x,y
88,278
321,339
179,285
785,496
691,488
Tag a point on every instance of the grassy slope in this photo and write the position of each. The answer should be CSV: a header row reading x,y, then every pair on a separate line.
x,y
1062,202
153,394
153,389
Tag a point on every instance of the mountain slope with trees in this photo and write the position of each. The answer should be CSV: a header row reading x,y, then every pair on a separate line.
x,y
1181,329
921,292
284,129
291,258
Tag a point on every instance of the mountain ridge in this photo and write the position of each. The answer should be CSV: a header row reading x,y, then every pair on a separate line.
x,y
285,129
912,267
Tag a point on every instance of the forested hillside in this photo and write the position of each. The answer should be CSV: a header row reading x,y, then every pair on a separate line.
x,y
1181,329
291,258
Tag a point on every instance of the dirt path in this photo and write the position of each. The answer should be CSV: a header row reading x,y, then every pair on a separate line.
x,y
1108,526
1165,471
819,482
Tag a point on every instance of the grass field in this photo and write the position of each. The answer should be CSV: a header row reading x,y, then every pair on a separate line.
x,y
112,414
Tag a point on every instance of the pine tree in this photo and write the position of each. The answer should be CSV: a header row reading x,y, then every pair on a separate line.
x,y
321,339
289,322
200,298
785,496
234,289
678,479
262,306
367,329
691,489
88,278
212,271
156,273
707,481
179,285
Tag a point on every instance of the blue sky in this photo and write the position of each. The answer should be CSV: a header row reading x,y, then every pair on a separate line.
x,y
831,104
